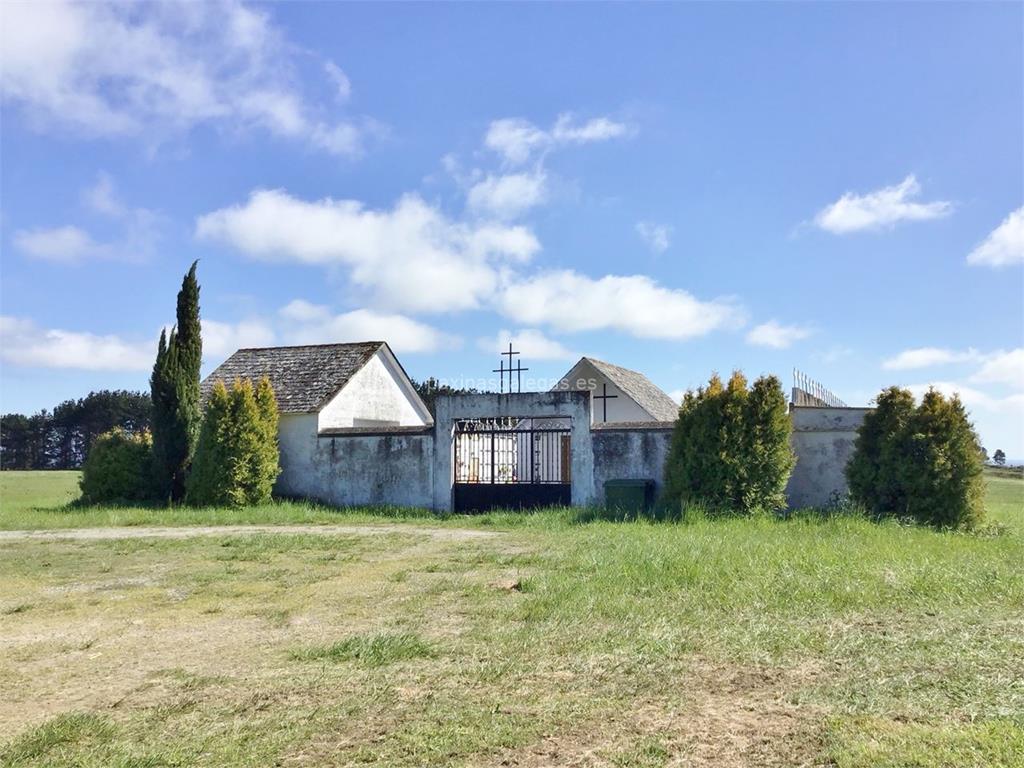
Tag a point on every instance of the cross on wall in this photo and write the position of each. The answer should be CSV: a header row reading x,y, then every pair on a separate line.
x,y
604,397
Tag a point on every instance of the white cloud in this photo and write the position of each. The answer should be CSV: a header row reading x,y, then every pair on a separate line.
x,y
341,82
64,245
971,397
531,343
153,69
517,140
634,304
658,237
508,196
776,335
308,323
412,256
69,244
597,129
102,198
22,343
1002,368
221,339
1004,245
880,209
924,357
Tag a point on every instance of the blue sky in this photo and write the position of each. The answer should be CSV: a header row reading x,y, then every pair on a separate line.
x,y
674,188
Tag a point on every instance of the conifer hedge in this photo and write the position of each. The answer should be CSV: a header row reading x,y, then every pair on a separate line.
x,y
730,450
923,463
236,459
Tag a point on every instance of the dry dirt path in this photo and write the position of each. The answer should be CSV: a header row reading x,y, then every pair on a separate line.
x,y
186,532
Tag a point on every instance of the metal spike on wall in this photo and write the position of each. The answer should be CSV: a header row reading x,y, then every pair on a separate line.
x,y
813,392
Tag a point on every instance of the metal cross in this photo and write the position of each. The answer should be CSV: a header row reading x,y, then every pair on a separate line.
x,y
604,397
518,369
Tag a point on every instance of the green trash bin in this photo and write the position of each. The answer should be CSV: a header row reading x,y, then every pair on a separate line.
x,y
629,496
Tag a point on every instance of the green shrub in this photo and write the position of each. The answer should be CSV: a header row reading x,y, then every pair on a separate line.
x,y
922,463
730,448
769,456
236,459
874,471
940,465
119,469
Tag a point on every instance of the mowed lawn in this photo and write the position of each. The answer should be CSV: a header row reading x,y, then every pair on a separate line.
x,y
508,640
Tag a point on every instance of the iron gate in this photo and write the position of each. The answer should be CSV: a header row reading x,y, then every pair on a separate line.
x,y
511,463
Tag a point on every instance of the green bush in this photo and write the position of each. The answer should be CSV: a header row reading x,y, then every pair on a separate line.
x,y
236,459
119,469
730,448
874,472
921,463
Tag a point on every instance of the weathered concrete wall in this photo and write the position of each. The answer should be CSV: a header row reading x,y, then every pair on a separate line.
x,y
630,453
376,469
823,441
355,467
296,439
575,405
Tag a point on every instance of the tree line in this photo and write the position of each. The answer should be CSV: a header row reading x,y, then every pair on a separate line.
x,y
61,438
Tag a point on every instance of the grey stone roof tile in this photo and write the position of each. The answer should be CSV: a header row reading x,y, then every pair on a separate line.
x,y
304,378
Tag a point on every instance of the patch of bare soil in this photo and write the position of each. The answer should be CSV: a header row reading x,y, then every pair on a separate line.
x,y
724,717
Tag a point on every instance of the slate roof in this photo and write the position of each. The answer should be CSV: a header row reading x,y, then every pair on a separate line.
x,y
304,378
640,388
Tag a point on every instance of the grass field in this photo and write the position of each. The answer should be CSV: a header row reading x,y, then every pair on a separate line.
x,y
534,641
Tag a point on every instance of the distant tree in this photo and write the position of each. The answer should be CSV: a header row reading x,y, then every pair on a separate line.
x,y
999,457
429,389
17,447
174,387
61,438
873,471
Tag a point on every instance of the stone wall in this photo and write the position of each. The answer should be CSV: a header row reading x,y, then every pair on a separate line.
x,y
635,452
355,467
823,440
412,466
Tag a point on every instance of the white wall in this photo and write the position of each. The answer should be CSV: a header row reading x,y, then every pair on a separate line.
x,y
584,376
374,396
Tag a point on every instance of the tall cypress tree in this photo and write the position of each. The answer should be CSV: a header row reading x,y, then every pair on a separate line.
x,y
174,386
190,357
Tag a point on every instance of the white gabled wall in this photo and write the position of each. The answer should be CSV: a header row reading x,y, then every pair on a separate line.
x,y
621,408
376,395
